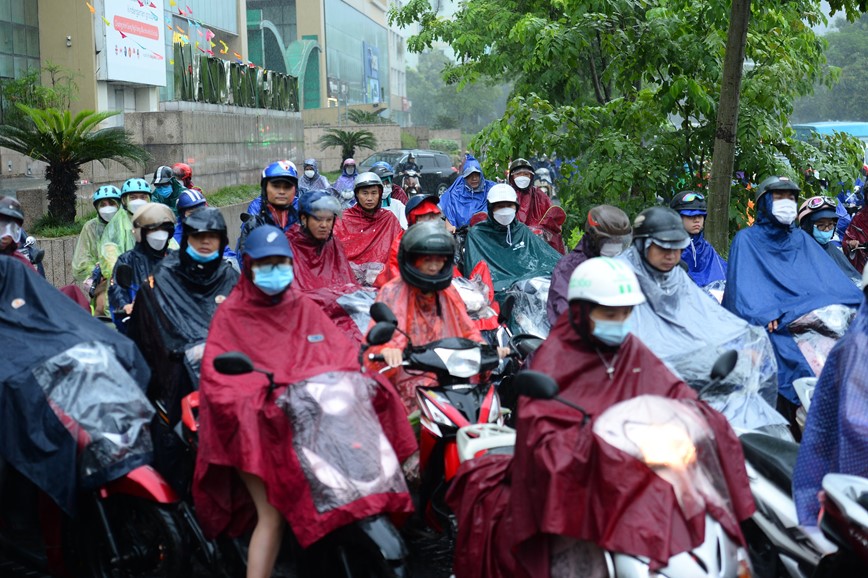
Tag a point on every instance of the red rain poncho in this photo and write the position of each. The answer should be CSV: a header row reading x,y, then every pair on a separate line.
x,y
317,264
533,211
418,316
241,427
367,238
549,228
858,231
564,480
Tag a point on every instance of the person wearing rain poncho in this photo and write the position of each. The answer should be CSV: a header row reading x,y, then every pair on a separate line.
x,y
704,265
512,251
776,274
818,218
535,208
106,201
466,196
310,179
836,433
343,187
688,330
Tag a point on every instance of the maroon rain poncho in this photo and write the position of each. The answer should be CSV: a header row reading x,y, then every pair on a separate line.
x,y
317,264
565,481
242,428
858,231
367,237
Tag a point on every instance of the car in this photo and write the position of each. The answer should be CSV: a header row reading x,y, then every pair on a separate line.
x,y
435,167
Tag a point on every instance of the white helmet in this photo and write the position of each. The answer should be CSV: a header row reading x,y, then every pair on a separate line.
x,y
502,192
605,281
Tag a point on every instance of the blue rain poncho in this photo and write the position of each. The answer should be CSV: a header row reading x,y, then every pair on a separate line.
x,y
778,272
316,183
459,202
704,265
836,433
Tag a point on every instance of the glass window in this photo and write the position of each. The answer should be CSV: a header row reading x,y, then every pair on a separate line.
x,y
31,17
6,10
6,68
20,66
33,42
19,40
18,11
5,37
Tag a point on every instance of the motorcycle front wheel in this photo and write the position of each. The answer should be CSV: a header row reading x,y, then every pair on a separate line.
x,y
147,535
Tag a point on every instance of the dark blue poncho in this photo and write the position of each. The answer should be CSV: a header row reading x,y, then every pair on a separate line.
x,y
459,203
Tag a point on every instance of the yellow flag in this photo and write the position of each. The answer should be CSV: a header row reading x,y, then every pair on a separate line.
x,y
91,8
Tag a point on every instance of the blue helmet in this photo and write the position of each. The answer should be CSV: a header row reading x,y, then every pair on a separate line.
x,y
106,192
314,201
135,186
189,199
279,170
383,164
267,241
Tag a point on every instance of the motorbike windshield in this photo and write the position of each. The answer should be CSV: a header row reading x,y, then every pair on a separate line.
x,y
673,439
817,332
102,408
343,452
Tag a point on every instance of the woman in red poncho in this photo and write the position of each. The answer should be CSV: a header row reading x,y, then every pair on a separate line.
x,y
366,229
428,308
566,493
247,444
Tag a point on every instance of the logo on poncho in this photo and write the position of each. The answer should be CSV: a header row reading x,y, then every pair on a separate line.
x,y
18,303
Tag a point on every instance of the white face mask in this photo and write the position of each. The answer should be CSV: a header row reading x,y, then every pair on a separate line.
x,y
522,182
107,213
611,249
309,174
347,195
504,216
784,210
157,240
387,191
135,205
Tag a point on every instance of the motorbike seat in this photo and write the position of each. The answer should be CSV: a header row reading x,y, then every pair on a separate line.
x,y
772,457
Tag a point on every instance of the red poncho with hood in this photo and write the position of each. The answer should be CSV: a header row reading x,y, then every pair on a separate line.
x,y
242,428
318,264
367,237
564,480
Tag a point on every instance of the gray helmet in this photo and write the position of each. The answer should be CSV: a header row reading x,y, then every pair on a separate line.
x,y
384,172
11,208
163,175
366,180
777,184
663,226
427,238
608,222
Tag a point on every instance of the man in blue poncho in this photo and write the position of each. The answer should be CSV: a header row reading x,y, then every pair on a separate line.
x,y
467,195
704,265
776,274
836,434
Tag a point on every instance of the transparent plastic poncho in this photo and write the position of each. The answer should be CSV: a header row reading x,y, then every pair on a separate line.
x,y
102,407
817,332
529,314
358,306
340,444
474,293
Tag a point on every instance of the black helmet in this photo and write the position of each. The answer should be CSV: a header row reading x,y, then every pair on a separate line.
x,y
606,223
205,220
427,238
11,208
383,172
662,225
163,175
689,203
520,163
777,184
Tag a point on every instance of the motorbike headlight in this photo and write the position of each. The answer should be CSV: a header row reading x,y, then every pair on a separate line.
x,y
461,362
667,444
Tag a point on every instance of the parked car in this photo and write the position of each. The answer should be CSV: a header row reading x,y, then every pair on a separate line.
x,y
435,167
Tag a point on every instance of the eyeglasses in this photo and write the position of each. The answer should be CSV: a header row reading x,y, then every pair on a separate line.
x,y
690,197
817,202
825,226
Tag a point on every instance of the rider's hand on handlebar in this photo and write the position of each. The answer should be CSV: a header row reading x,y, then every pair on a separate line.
x,y
773,326
852,243
393,356
128,309
503,352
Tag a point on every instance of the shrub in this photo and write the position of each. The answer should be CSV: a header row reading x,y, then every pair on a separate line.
x,y
446,145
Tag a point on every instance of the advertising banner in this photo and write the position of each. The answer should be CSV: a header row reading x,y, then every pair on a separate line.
x,y
135,41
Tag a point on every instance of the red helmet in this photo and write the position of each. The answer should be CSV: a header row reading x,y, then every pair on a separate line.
x,y
182,171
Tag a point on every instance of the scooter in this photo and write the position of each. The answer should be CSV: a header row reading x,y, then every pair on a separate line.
x,y
718,555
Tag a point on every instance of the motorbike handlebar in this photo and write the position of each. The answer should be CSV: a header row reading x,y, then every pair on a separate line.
x,y
376,357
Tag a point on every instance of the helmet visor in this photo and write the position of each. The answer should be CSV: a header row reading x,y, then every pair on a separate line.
x,y
682,244
614,246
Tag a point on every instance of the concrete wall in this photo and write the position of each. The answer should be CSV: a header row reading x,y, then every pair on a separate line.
x,y
388,136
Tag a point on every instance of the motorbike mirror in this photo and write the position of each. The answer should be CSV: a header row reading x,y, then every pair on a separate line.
x,y
506,310
245,217
724,365
381,313
233,363
535,385
381,333
124,275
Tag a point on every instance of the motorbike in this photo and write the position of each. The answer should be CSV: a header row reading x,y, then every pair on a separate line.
x,y
719,554
410,182
124,518
370,547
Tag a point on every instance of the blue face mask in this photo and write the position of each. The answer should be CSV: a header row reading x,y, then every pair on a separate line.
x,y
201,257
163,191
611,332
823,237
272,280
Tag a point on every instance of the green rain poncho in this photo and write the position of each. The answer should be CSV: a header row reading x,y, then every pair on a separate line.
x,y
116,239
86,254
513,253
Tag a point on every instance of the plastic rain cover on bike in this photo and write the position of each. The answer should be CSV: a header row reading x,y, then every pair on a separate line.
x,y
778,273
836,433
474,293
37,323
513,253
531,300
688,330
367,239
343,452
458,203
242,428
817,332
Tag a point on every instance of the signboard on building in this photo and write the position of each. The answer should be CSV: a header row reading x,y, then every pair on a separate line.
x,y
371,59
135,43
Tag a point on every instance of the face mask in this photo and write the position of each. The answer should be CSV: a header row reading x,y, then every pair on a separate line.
x,y
201,257
784,211
611,332
135,205
309,174
611,249
107,213
163,191
823,237
347,195
157,240
504,216
387,190
10,229
522,182
351,170
273,280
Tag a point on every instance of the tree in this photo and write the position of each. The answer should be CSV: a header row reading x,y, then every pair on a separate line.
x,y
628,92
65,143
366,117
348,141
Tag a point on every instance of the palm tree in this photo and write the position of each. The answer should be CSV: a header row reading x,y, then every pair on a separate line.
x,y
348,141
65,143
